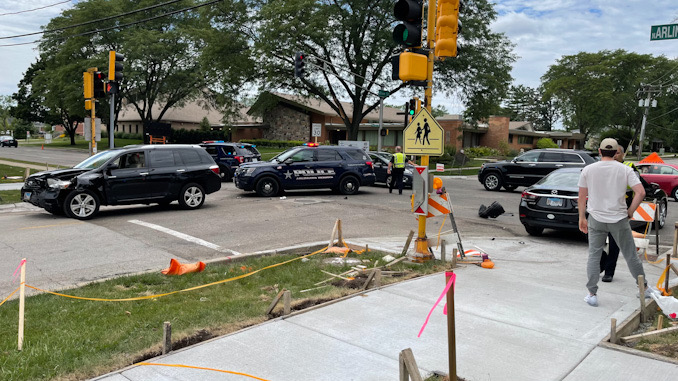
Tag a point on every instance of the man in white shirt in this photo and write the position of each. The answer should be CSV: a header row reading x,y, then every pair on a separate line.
x,y
602,189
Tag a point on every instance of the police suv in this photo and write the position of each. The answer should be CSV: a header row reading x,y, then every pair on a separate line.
x,y
342,169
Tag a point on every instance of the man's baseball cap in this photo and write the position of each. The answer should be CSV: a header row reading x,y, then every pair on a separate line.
x,y
609,144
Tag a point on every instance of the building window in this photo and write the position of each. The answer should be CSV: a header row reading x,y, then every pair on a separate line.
x,y
524,140
510,139
137,128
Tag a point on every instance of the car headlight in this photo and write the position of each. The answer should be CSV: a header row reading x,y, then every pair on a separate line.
x,y
247,171
58,184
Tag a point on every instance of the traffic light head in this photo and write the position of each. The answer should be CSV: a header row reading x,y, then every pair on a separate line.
x,y
98,85
115,66
409,32
299,69
447,28
88,84
413,106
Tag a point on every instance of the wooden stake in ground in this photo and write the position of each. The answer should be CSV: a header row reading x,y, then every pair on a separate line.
x,y
22,301
287,302
632,338
408,366
27,173
451,330
166,338
336,231
668,264
275,302
660,322
407,243
613,331
675,239
641,294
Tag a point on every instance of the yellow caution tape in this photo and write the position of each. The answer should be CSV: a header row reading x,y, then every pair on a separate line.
x,y
660,282
203,368
178,291
10,295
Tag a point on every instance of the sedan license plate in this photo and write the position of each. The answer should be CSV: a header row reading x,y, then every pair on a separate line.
x,y
554,201
27,195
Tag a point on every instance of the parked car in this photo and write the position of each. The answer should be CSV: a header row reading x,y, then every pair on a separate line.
x,y
552,202
344,169
8,141
666,175
530,167
380,162
229,156
139,174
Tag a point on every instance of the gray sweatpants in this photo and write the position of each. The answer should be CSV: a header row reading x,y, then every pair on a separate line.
x,y
621,232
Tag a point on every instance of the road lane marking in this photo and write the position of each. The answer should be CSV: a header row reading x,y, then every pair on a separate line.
x,y
50,226
183,236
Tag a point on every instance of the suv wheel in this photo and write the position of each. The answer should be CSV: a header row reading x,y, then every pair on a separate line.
x,y
492,182
267,187
388,180
192,196
533,230
349,185
81,204
674,193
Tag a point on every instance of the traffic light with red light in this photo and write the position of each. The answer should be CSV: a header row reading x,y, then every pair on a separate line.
x,y
299,69
98,85
447,28
409,32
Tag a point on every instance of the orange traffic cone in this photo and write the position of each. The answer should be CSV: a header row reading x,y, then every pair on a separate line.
x,y
43,147
177,268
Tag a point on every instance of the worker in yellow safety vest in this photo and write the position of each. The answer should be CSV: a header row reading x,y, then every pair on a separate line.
x,y
396,168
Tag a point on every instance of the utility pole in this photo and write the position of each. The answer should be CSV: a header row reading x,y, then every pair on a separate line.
x,y
647,102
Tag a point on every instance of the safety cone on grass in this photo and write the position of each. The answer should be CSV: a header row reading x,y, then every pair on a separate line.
x,y
42,147
177,268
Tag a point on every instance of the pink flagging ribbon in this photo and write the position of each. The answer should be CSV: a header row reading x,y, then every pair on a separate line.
x,y
14,275
451,282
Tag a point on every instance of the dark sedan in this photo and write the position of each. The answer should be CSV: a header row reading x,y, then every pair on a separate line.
x,y
8,141
552,202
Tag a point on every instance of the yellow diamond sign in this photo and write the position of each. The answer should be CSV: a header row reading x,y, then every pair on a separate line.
x,y
423,136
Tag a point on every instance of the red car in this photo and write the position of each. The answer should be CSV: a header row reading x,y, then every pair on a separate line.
x,y
665,175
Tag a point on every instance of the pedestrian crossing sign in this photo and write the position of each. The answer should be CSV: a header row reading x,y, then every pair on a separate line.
x,y
423,136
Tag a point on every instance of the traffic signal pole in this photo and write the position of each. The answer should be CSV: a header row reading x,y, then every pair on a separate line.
x,y
421,244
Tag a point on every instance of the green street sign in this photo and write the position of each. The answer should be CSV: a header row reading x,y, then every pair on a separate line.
x,y
664,32
383,93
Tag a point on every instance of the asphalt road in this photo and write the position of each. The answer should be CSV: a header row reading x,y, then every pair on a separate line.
x,y
126,239
55,156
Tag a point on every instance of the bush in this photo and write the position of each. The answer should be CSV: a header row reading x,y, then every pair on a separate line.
x,y
475,152
451,150
546,143
273,143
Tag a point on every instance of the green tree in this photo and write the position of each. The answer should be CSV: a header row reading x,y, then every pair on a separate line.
x,y
546,143
596,91
348,46
205,124
5,108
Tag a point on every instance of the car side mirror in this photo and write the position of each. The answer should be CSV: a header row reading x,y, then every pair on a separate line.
x,y
111,167
288,161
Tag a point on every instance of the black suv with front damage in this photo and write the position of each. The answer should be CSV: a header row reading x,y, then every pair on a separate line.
x,y
141,174
343,169
530,167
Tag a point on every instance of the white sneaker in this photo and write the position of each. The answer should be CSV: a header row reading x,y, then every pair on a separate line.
x,y
592,300
648,293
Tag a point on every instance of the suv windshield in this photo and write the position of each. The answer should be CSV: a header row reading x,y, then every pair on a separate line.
x,y
285,155
97,160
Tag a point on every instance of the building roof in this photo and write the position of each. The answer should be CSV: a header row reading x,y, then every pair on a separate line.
x,y
191,112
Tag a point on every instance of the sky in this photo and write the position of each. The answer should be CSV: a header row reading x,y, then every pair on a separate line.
x,y
542,31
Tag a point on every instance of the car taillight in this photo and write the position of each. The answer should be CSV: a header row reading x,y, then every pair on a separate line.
x,y
528,196
240,159
215,169
370,164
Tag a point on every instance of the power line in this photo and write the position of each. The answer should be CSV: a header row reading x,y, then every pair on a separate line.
x,y
91,21
123,25
34,9
666,113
